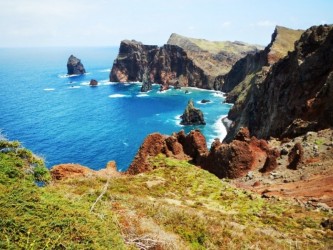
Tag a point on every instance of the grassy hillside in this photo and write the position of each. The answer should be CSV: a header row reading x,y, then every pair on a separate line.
x,y
176,206
214,57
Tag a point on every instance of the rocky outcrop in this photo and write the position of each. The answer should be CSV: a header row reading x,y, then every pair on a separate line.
x,y
242,155
179,146
294,96
74,66
224,160
93,82
166,65
192,115
69,171
175,64
295,157
146,86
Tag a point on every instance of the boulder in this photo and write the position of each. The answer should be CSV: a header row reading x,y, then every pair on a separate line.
x,y
93,82
74,66
205,101
192,115
295,157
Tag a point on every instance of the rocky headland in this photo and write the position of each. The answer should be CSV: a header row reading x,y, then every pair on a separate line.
x,y
291,97
181,62
74,66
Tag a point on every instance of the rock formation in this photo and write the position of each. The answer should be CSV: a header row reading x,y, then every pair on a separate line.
x,y
224,160
74,66
192,115
294,95
66,171
175,64
93,82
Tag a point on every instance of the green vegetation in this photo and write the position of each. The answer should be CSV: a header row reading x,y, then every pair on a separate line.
x,y
284,41
33,217
176,206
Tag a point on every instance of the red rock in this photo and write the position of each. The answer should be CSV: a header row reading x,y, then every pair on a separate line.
x,y
64,171
70,170
295,156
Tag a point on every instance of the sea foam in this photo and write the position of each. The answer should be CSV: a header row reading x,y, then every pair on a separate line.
x,y
118,95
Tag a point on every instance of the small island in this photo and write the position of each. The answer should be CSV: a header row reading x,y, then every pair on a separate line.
x,y
192,115
74,66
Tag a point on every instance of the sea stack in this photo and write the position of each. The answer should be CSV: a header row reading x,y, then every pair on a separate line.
x,y
192,115
74,66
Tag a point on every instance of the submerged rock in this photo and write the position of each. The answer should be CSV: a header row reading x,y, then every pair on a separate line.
x,y
93,82
192,115
205,101
146,86
74,66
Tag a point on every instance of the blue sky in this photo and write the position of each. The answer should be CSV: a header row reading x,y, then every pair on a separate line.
x,y
34,23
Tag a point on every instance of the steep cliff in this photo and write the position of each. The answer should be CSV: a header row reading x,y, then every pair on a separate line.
x,y
243,70
181,62
293,96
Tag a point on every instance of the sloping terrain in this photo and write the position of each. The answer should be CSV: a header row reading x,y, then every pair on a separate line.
x,y
214,57
175,206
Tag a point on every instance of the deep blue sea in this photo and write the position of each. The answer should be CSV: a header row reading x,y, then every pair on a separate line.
x,y
64,120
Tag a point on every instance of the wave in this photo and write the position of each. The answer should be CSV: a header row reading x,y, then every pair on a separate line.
x,y
105,70
85,83
142,95
177,120
219,129
164,91
68,76
74,87
49,89
218,94
118,96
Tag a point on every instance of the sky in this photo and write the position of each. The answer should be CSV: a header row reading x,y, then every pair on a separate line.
x,y
81,23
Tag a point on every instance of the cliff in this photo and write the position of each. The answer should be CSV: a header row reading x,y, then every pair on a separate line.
x,y
292,97
177,63
243,70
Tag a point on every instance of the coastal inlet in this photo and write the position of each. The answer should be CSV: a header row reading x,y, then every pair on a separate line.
x,y
63,119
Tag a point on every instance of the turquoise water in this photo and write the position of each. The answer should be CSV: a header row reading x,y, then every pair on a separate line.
x,y
65,121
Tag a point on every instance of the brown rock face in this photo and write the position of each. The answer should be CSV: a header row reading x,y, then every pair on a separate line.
x,y
179,146
224,160
68,171
179,63
64,171
237,158
294,96
166,65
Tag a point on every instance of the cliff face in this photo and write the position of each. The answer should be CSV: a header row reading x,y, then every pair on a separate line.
x,y
282,41
294,96
181,62
167,65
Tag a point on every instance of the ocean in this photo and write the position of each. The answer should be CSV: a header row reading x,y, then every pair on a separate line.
x,y
64,120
